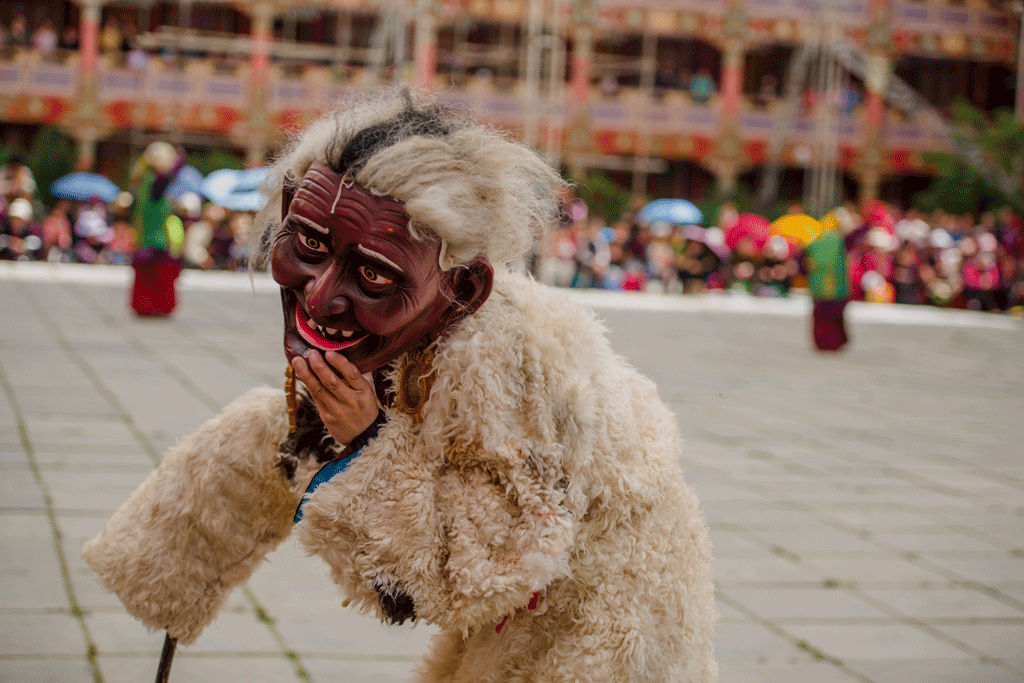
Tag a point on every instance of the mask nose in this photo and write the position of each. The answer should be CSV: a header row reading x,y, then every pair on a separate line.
x,y
325,296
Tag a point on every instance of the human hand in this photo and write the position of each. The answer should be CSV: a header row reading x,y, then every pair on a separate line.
x,y
345,400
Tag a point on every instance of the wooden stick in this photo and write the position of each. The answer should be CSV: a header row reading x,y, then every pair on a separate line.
x,y
164,670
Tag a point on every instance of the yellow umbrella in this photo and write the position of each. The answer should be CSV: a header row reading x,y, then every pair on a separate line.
x,y
800,228
830,222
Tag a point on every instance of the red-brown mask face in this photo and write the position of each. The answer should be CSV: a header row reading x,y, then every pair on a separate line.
x,y
354,280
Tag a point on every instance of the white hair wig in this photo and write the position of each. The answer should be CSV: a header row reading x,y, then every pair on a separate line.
x,y
480,192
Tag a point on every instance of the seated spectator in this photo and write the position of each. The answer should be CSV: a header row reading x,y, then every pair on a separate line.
x,y
906,278
110,37
702,86
129,34
68,38
979,273
17,35
44,40
136,59
1011,277
774,276
1009,230
695,262
196,247
665,77
19,237
238,250
768,91
609,86
122,244
16,180
91,227
659,255
56,233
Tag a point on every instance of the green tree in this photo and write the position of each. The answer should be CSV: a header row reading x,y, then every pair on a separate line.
x,y
52,155
214,160
993,173
603,196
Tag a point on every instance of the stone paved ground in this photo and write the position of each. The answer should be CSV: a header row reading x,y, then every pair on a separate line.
x,y
867,509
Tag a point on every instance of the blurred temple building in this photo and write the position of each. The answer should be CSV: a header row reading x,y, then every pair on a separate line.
x,y
669,97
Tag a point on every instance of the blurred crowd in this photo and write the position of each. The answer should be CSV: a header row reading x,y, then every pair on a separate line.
x,y
46,39
957,261
204,236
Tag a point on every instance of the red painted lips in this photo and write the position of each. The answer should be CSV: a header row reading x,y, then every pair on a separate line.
x,y
314,338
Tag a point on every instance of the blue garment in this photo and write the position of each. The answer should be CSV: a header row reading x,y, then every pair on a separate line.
x,y
326,473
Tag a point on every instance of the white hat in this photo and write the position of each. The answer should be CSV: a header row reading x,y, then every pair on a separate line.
x,y
124,200
871,280
190,204
777,248
20,208
940,239
913,230
161,156
880,239
987,242
92,224
661,229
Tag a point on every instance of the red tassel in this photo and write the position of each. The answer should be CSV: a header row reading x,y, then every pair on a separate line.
x,y
534,599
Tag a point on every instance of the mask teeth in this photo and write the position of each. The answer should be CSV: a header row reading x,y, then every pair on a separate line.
x,y
332,331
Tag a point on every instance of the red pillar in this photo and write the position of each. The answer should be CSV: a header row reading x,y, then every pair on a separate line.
x,y
582,61
732,78
88,60
89,37
262,16
259,60
425,45
426,62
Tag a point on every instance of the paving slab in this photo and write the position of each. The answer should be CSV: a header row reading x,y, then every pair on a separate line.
x,y
866,508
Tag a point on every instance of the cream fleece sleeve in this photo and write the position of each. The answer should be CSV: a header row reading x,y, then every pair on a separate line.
x,y
201,522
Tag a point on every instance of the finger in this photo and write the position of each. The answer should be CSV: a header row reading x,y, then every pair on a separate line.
x,y
330,379
305,374
347,370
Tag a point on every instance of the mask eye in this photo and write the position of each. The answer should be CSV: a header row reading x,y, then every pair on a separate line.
x,y
374,277
312,244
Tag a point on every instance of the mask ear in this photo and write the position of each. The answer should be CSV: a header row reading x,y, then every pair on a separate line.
x,y
471,285
288,189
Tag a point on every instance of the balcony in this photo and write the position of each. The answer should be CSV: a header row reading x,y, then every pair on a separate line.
x,y
213,96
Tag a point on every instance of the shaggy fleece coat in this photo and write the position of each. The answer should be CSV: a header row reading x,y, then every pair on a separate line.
x,y
537,514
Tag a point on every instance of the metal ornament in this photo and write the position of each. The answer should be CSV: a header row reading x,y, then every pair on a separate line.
x,y
415,381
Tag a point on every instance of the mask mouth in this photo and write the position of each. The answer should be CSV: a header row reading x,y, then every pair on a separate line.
x,y
324,338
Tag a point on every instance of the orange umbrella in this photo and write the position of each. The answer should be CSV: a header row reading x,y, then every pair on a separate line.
x,y
799,228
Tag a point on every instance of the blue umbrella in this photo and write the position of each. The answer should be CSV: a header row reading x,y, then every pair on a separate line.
x,y
83,187
675,211
236,190
188,180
